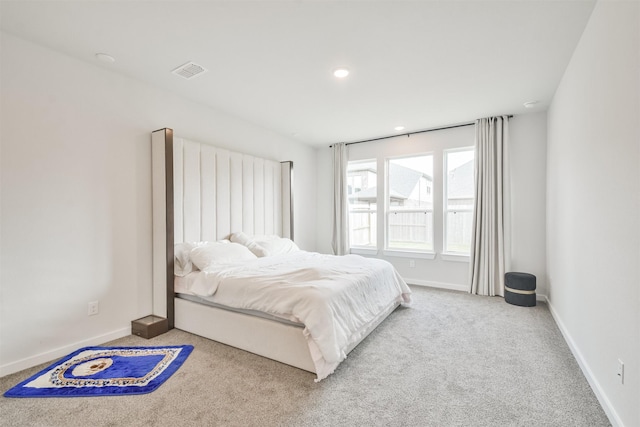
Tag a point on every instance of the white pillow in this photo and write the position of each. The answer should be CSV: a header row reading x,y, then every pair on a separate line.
x,y
243,239
216,253
275,245
265,245
182,263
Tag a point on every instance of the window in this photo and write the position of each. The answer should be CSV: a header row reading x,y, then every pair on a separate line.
x,y
459,200
413,199
410,203
362,192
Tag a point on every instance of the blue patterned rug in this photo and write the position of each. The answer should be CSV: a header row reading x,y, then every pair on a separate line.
x,y
105,371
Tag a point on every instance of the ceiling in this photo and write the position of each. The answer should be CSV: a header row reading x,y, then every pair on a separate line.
x,y
417,64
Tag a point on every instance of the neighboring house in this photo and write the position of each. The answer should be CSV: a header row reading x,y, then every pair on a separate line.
x,y
459,208
460,185
409,190
407,187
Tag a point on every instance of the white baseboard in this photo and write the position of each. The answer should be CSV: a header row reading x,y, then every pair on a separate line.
x,y
591,379
440,285
456,287
52,355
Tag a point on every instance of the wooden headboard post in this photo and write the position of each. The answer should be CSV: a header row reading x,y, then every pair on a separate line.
x,y
287,199
163,223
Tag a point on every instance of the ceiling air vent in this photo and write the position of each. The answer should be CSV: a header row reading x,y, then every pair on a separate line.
x,y
189,70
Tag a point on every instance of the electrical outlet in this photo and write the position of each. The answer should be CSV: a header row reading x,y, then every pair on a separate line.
x,y
621,371
412,263
93,308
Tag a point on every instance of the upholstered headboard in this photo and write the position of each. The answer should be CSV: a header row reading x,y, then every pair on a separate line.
x,y
204,193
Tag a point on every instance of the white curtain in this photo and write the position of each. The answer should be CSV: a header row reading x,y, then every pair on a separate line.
x,y
340,241
490,238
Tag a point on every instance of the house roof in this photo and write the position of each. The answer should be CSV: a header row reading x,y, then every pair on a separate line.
x,y
402,181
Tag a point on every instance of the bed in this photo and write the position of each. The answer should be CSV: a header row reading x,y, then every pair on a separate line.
x,y
226,266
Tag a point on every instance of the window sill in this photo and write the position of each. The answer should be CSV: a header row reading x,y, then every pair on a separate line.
x,y
455,257
409,254
363,251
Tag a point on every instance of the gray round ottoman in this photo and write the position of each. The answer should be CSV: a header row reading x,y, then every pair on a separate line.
x,y
520,289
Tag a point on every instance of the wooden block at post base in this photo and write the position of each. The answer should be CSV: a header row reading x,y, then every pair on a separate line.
x,y
149,326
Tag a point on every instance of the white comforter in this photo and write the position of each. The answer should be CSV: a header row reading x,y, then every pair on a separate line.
x,y
337,298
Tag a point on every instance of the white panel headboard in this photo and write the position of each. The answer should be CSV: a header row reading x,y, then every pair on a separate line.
x,y
204,193
218,192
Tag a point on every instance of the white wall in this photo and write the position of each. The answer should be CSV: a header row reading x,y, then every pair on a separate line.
x,y
593,206
324,191
76,196
527,150
528,168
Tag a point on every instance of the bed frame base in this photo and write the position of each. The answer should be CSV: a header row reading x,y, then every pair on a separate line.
x,y
277,341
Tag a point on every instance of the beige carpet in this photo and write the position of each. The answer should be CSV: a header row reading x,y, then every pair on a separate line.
x,y
452,359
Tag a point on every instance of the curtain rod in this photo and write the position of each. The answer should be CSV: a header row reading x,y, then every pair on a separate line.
x,y
408,134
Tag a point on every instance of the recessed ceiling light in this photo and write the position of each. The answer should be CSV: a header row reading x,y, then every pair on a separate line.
x,y
105,58
341,73
530,104
399,128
